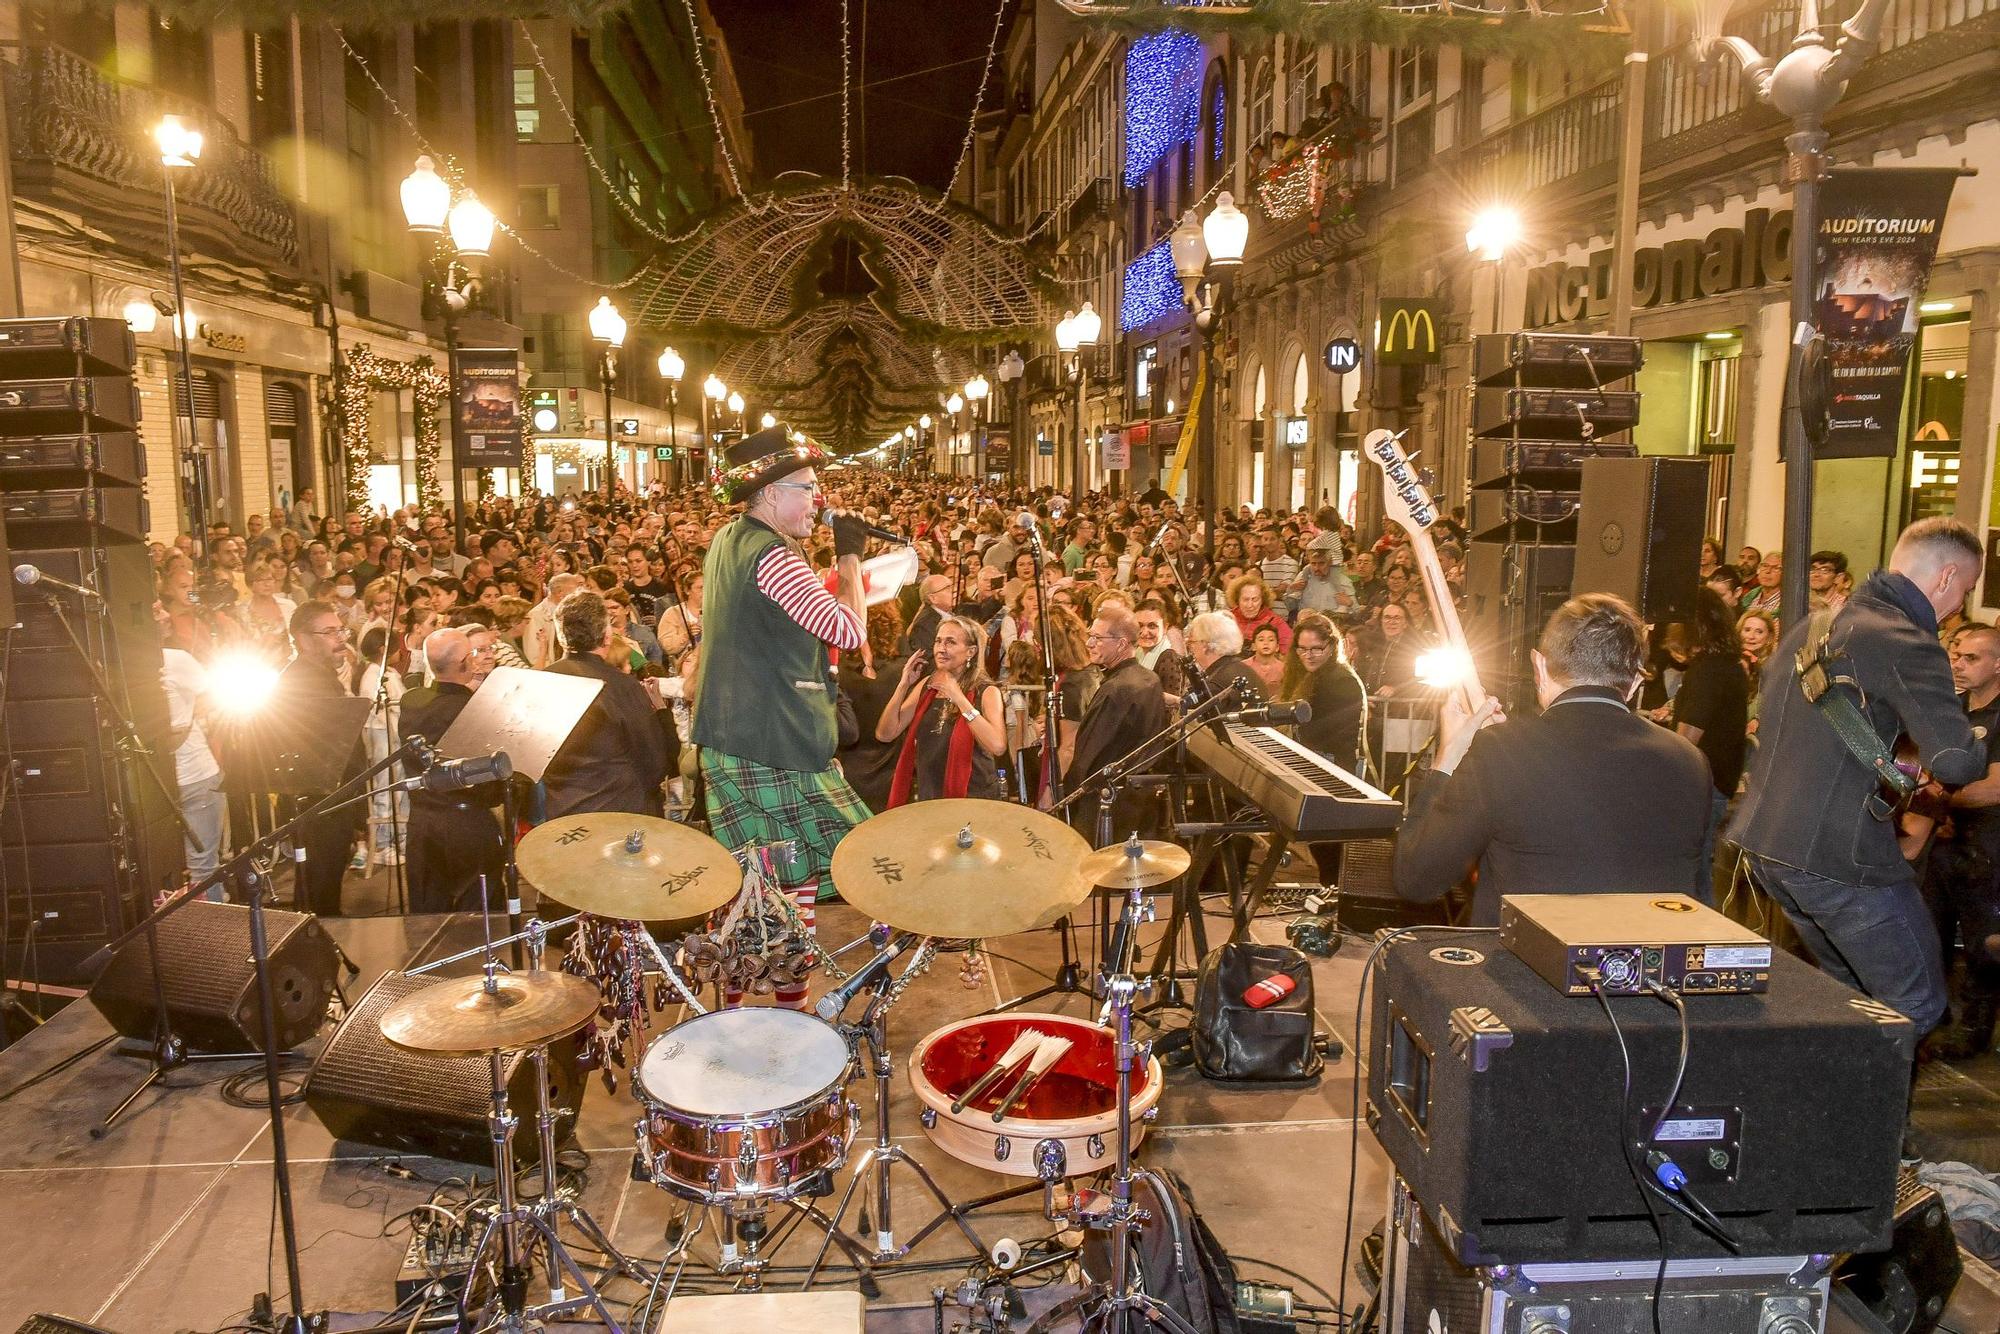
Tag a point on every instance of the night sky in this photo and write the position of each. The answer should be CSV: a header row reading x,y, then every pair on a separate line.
x,y
911,116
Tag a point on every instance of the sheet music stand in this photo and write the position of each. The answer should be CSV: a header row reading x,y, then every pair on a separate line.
x,y
528,715
297,746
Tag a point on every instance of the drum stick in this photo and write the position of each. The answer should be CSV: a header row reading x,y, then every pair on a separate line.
x,y
1046,1055
1024,1046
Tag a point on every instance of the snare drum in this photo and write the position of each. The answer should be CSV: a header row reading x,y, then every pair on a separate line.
x,y
1074,1107
744,1104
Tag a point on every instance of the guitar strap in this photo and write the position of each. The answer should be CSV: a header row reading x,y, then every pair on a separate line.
x,y
1818,675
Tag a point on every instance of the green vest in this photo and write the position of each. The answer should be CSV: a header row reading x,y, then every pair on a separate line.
x,y
766,686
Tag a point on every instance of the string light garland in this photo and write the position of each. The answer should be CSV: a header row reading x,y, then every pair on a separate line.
x,y
429,391
1162,98
846,97
979,100
1152,288
700,44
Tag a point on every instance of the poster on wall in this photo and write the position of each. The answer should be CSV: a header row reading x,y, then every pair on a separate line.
x,y
487,399
1878,233
1117,451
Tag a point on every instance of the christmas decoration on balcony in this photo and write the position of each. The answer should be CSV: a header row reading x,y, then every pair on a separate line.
x,y
364,374
1315,174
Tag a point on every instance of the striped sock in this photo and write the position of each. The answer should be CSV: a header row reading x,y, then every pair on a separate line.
x,y
804,898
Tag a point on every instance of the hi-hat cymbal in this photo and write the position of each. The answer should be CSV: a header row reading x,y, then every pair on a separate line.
x,y
1135,863
462,1017
638,867
962,867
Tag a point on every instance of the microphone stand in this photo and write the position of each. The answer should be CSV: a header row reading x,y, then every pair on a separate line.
x,y
250,870
397,872
168,1051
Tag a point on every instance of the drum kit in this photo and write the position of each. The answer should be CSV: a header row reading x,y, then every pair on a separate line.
x,y
746,1112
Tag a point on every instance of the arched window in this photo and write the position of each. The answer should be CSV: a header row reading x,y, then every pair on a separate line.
x,y
1263,88
1301,83
1301,384
1260,397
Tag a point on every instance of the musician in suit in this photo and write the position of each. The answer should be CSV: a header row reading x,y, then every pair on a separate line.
x,y
616,757
1215,642
454,837
1588,797
1128,708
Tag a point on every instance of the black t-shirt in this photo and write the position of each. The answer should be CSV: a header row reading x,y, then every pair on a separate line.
x,y
1980,825
647,599
1715,696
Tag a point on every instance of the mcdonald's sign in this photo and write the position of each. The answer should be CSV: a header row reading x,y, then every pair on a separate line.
x,y
1406,331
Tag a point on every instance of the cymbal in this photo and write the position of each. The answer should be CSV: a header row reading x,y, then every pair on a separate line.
x,y
461,1017
962,866
637,867
1135,863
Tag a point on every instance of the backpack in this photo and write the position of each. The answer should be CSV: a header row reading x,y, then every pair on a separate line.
x,y
1180,1262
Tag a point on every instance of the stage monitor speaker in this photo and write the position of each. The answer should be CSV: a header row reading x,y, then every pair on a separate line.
x,y
59,1324
1498,1098
211,984
1904,1290
366,1089
1639,532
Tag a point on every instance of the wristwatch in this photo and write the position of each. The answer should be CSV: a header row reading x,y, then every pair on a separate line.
x,y
970,714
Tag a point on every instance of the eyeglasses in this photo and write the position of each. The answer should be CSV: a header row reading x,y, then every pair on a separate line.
x,y
1312,650
1092,637
336,631
808,487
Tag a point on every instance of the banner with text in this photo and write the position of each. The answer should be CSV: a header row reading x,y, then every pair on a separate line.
x,y
487,399
1877,235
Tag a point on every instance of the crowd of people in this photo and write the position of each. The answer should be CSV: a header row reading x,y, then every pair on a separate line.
x,y
1110,606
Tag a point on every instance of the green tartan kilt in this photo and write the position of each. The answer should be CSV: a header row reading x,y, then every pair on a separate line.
x,y
750,803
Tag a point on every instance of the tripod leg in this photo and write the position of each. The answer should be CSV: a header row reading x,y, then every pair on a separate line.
x,y
587,1225
833,1224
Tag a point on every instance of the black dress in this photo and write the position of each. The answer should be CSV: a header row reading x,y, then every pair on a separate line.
x,y
934,733
869,764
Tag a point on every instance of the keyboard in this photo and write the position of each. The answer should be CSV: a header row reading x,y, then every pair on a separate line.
x,y
1307,796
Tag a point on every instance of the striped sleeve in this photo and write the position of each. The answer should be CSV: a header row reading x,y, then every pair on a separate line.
x,y
784,577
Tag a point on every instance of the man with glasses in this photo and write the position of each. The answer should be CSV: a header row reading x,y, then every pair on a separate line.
x,y
765,708
319,668
1129,707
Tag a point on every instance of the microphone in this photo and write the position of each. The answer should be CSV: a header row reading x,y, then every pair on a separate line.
x,y
833,1002
30,575
1279,713
458,775
879,534
1159,537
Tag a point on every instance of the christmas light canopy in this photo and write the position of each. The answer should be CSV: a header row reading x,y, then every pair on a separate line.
x,y
607,326
426,198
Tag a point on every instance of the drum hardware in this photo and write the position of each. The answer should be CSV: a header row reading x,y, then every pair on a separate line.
x,y
492,1013
885,1152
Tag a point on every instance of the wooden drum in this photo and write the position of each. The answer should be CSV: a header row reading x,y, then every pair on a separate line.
x,y
1074,1106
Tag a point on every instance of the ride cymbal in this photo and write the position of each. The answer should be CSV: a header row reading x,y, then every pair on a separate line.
x,y
962,867
637,867
462,1016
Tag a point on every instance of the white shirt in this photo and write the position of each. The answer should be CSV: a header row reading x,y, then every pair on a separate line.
x,y
186,681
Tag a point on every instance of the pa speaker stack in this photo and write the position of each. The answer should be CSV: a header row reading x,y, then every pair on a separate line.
x,y
1543,405
85,836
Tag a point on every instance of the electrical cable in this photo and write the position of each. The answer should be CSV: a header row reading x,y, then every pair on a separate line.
x,y
1626,1150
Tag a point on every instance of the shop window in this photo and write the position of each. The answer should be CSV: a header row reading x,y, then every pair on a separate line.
x,y
1716,383
1936,421
537,206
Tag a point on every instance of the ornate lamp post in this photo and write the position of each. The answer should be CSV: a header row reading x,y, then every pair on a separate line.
x,y
976,390
672,368
1011,370
180,147
607,330
1206,257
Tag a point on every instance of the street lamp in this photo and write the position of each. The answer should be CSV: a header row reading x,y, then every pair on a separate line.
x,y
672,368
180,147
736,406
976,390
607,330
1207,255
1012,368
767,421
1805,83
1076,331
713,391
450,289
1494,231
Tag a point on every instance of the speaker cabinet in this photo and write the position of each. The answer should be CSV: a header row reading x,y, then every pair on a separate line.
x,y
211,984
366,1089
1904,1290
1639,533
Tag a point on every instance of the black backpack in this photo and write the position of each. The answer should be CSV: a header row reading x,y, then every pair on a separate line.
x,y
1180,1262
1234,1043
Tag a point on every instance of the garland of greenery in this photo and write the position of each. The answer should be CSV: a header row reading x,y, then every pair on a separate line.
x,y
381,13
430,391
1571,42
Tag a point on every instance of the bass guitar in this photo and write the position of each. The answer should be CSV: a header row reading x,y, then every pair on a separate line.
x,y
1405,500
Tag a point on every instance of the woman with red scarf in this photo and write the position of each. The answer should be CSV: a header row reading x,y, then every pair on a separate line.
x,y
949,718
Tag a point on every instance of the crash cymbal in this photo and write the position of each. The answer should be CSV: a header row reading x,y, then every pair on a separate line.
x,y
1137,862
638,867
462,1017
962,867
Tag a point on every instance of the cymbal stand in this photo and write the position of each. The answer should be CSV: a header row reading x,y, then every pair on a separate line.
x,y
1121,1305
885,1152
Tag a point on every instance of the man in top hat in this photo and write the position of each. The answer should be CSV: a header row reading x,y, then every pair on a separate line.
x,y
765,702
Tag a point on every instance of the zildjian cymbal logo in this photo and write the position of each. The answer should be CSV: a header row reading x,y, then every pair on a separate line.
x,y
1404,481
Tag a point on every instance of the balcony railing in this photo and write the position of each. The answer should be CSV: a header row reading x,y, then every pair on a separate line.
x,y
68,117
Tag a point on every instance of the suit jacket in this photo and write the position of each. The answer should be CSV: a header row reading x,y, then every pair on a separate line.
x,y
1232,670
923,629
1128,708
616,758
1807,803
1586,798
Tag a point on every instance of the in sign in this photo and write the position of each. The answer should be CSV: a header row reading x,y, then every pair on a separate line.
x,y
1343,355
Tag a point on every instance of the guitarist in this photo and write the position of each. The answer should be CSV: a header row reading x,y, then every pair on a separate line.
x,y
1588,797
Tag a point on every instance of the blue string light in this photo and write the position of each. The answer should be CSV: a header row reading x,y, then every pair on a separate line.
x,y
1221,119
1152,288
1162,98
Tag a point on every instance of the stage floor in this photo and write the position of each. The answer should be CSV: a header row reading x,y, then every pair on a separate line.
x,y
164,1224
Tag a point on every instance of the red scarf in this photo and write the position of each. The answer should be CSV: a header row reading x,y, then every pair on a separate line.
x,y
958,757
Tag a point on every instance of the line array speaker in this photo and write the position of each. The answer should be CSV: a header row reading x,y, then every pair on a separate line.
x,y
1639,532
210,983
366,1089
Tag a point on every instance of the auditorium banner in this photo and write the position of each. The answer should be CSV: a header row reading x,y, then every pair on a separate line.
x,y
1878,234
487,399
